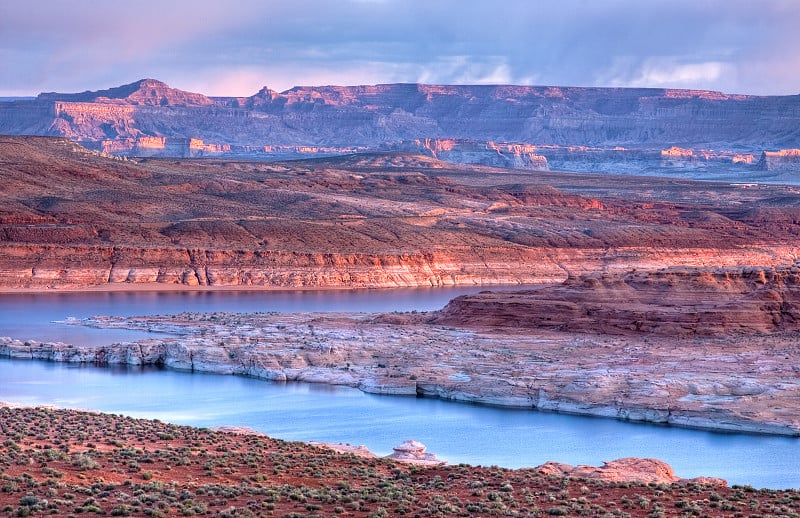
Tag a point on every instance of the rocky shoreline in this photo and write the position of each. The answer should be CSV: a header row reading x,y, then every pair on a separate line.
x,y
741,384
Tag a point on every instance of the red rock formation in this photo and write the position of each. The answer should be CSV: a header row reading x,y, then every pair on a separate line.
x,y
676,152
413,452
70,217
621,131
145,92
673,302
462,151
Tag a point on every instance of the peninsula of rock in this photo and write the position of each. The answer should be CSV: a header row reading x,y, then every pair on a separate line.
x,y
715,349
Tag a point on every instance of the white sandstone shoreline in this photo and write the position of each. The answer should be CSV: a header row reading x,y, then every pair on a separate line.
x,y
399,355
644,415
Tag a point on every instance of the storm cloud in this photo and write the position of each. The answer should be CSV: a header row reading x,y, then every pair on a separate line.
x,y
236,47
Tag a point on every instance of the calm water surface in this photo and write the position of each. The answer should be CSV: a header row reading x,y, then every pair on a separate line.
x,y
36,316
456,432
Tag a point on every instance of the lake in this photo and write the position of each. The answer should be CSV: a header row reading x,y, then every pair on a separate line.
x,y
455,432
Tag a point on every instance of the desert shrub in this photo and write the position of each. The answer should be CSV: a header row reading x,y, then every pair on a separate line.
x,y
121,510
84,462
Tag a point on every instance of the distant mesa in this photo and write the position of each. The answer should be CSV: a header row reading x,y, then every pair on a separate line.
x,y
466,151
145,92
620,130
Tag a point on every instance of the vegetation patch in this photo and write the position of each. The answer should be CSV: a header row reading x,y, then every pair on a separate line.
x,y
65,462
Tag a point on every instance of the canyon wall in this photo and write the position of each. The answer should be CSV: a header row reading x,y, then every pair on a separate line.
x,y
75,266
463,151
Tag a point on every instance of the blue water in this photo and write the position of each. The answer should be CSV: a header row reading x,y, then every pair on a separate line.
x,y
455,432
36,316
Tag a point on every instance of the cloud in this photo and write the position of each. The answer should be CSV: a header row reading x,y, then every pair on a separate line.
x,y
666,72
466,70
76,43
72,45
683,75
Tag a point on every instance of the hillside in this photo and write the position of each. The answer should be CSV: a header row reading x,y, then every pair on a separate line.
x,y
73,218
58,462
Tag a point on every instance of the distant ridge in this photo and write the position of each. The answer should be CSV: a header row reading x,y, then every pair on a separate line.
x,y
149,118
147,92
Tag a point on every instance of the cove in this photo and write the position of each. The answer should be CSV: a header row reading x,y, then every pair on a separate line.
x,y
456,432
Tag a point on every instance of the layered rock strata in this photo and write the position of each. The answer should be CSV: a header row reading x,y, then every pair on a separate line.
x,y
70,218
461,151
677,302
58,267
413,452
684,133
374,115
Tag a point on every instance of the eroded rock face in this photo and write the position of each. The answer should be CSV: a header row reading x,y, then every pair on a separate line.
x,y
611,130
673,302
413,452
462,151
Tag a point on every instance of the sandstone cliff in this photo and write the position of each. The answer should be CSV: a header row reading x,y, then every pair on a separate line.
x,y
683,133
374,115
673,303
461,151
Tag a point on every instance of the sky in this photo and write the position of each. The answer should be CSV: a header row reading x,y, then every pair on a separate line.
x,y
235,47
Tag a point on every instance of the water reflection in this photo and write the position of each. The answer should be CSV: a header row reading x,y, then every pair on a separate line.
x,y
31,316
